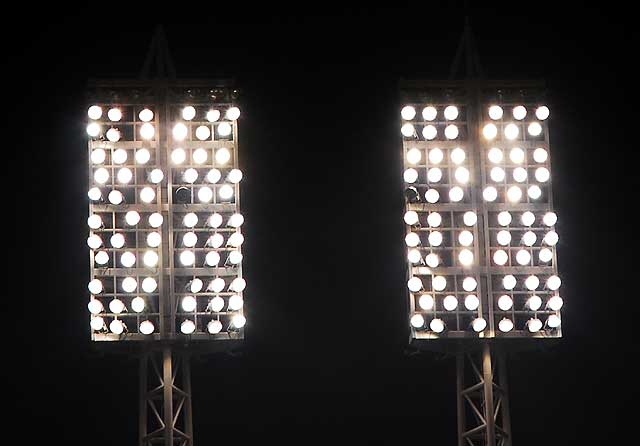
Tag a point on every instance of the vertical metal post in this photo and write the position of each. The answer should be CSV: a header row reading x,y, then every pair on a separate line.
x,y
142,416
186,386
167,377
460,397
487,377
505,409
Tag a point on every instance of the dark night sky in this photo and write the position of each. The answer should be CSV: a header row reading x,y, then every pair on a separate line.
x,y
323,254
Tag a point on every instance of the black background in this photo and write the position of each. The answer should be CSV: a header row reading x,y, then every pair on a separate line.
x,y
324,259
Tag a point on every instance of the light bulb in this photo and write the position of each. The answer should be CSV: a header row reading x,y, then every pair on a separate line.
x,y
224,129
98,156
534,325
234,176
432,260
429,113
145,115
465,238
94,241
553,282
212,258
434,175
503,238
490,193
95,306
439,283
532,283
523,257
489,131
519,174
154,239
215,241
116,197
187,327
101,258
150,259
190,175
509,282
101,175
495,112
414,256
414,156
469,284
238,321
436,156
542,174
408,113
214,220
534,192
479,324
505,302
500,257
205,194
517,155
551,238
147,131
426,302
462,175
505,325
534,129
95,286
93,129
429,132
114,114
235,302
514,194
450,303
497,174
113,135
232,113
188,113
195,286
178,156
129,284
414,284
519,112
216,285
117,327
435,238
495,155
437,325
97,323
465,257
222,156
213,115
213,176
146,327
149,285
147,194
411,218
504,218
119,156
407,130
417,321
529,238
451,131
457,155
534,303
189,304
238,284
156,176
138,304
214,327
555,303
190,220
117,240
550,219
432,195
203,133
456,194
236,239
187,258
225,192
540,155
155,220
553,321
470,218
142,156
116,306
94,112
451,112
124,175
542,112
128,259
545,255
434,219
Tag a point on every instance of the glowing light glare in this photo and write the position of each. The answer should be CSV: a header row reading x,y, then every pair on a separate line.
x,y
98,156
432,260
450,303
128,259
95,286
495,155
235,302
432,196
154,239
469,284
117,327
505,302
436,155
213,115
222,156
190,175
224,129
523,257
203,132
426,302
520,174
187,327
150,259
429,113
156,220
519,112
479,324
232,113
489,131
142,156
517,155
414,256
551,238
94,241
149,285
495,112
458,155
97,323
124,175
147,194
504,218
465,238
188,113
145,115
555,303
236,220
189,239
540,155
212,258
451,131
451,112
180,131
129,284
238,285
505,325
190,220
509,282
138,304
542,112
465,257
187,258
101,175
101,258
116,306
189,304
116,197
216,285
236,239
514,194
113,135
199,156
500,257
529,238
408,113
497,174
437,325
94,221
407,130
553,282
213,176
534,129
214,220
545,255
225,192
178,156
542,174
214,326
414,284
195,286
156,176
456,194
469,218
550,218
114,114
429,132
534,303
534,192
490,193
117,240
146,327
511,131
147,131
414,156
532,283
411,217
434,175
553,321
119,156
94,112
215,241
95,306
417,321
462,175
434,219
534,324
93,129
412,239
435,238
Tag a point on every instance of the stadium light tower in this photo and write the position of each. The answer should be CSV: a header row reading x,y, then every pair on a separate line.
x,y
481,237
165,231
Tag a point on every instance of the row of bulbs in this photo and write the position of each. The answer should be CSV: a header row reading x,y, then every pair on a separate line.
x,y
517,155
490,193
462,175
148,194
479,324
188,305
505,302
511,131
155,220
187,327
504,218
509,282
450,112
188,113
124,175
178,156
149,285
458,155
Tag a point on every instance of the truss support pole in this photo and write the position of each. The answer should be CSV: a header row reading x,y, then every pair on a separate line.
x,y
483,398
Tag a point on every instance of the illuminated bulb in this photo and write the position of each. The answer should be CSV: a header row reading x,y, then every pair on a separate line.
x,y
407,130
119,156
439,283
190,175
235,302
434,219
505,302
511,131
156,176
113,135
203,133
154,239
434,175
116,306
142,156
479,324
500,257
495,112
187,327
147,194
215,241
532,283
456,194
553,282
509,282
435,238
101,175
529,238
519,112
540,155
234,176
523,257
545,255
188,113
412,239
94,241
178,156
214,327
553,321
465,257
189,304
528,218
414,284
469,218
225,192
138,304
534,303
429,132
432,196
429,113
238,284
95,306
495,155
436,325
101,258
187,258
517,155
469,284
213,115
155,220
94,221
451,131
451,112
146,327
534,192
236,239
95,286
216,285
117,240
232,113
212,258
426,302
129,284
195,286
145,115
97,323
542,112
520,174
222,156
534,325
411,218
414,256
436,156
94,112
408,113
116,197
93,129
180,131
432,260
214,220
489,193
550,219
124,175
505,325
417,321
128,259
213,176
190,220
114,114
542,174
149,285
497,174
98,156
465,238
414,156
551,238
150,259
147,131
489,131
458,155
555,303
514,194
189,239
224,129
534,129
450,303
462,175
